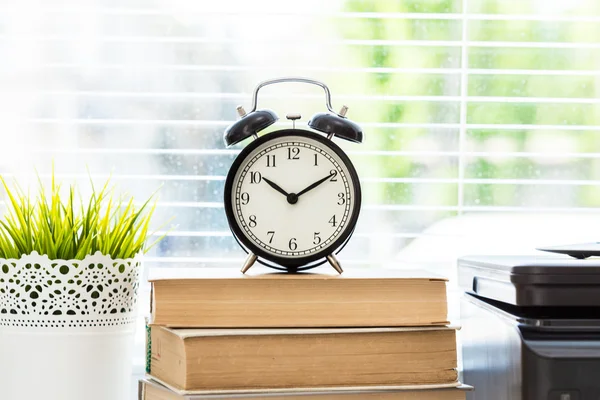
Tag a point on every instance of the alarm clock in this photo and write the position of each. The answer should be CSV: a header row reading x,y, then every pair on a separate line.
x,y
292,197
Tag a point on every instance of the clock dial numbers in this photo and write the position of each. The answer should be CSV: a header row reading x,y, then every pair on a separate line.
x,y
333,174
292,244
293,153
255,177
332,221
245,197
286,168
316,238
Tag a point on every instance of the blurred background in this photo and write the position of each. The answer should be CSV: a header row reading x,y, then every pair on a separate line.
x,y
481,118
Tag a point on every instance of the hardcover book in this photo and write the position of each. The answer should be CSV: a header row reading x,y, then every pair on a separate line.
x,y
259,359
225,298
152,390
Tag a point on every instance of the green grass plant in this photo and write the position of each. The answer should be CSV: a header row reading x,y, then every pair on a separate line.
x,y
67,227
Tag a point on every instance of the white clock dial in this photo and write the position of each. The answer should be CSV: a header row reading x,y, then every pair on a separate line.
x,y
293,196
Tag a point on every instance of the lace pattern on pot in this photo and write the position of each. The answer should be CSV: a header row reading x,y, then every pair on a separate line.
x,y
96,291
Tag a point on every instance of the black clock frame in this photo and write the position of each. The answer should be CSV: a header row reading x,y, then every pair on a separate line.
x,y
296,263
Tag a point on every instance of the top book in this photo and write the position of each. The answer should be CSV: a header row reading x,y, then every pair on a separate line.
x,y
226,298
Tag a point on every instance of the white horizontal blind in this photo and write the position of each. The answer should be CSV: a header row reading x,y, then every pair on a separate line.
x,y
489,106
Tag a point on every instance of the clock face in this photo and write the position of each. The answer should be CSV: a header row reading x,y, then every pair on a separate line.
x,y
292,197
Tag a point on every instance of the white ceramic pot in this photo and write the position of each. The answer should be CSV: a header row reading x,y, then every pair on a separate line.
x,y
66,327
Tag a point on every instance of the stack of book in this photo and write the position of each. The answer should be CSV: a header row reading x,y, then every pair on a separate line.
x,y
366,334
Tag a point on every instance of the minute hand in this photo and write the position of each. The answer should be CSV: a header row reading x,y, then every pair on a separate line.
x,y
314,185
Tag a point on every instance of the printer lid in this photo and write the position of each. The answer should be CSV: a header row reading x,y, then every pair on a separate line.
x,y
577,250
532,280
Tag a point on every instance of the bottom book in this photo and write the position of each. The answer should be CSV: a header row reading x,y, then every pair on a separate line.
x,y
152,390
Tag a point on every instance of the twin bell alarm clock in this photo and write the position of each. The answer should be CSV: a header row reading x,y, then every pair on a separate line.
x,y
292,196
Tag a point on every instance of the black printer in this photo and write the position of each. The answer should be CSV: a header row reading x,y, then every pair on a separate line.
x,y
530,327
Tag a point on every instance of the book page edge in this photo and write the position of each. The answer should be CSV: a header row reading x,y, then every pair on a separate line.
x,y
311,390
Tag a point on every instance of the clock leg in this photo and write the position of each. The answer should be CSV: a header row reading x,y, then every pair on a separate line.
x,y
335,263
249,262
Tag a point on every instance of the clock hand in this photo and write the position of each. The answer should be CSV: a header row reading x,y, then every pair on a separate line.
x,y
275,186
314,185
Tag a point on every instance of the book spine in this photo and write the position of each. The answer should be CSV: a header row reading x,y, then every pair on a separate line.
x,y
148,345
141,390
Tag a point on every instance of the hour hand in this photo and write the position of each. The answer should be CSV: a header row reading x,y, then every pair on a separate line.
x,y
276,187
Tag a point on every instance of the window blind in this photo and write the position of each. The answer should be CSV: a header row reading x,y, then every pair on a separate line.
x,y
467,107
